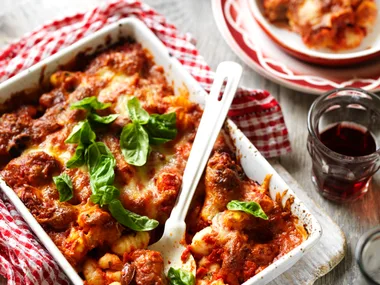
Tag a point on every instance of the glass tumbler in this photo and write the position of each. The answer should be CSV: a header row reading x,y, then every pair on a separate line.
x,y
368,256
343,142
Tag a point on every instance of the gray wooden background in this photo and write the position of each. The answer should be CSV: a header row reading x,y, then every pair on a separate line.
x,y
195,16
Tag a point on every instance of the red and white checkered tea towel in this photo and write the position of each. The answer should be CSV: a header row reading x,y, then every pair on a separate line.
x,y
22,259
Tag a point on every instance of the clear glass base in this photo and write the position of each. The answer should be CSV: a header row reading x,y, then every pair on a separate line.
x,y
368,255
341,196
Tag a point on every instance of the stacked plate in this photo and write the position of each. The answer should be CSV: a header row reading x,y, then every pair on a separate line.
x,y
279,54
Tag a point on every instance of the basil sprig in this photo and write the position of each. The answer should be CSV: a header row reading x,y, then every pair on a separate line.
x,y
105,195
161,128
136,113
101,163
64,187
129,219
102,120
77,160
145,130
134,144
90,104
82,133
252,208
180,277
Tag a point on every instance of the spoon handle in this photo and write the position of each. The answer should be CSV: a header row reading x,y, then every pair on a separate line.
x,y
212,120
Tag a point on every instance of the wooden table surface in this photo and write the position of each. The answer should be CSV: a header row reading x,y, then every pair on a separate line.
x,y
195,16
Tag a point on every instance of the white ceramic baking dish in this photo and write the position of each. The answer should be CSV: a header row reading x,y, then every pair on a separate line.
x,y
254,165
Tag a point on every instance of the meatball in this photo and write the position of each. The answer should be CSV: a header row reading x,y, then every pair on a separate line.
x,y
149,267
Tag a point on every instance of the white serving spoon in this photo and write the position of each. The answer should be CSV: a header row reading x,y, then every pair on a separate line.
x,y
171,245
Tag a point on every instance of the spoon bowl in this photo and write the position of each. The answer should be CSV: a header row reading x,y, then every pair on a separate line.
x,y
173,249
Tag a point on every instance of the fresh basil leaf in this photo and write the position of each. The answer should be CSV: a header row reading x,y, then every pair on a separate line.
x,y
252,208
89,103
161,128
64,186
77,159
180,277
134,144
105,194
81,133
136,113
101,164
103,174
74,136
103,120
130,219
87,135
95,154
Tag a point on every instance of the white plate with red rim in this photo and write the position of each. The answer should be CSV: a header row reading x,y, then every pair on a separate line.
x,y
236,22
292,43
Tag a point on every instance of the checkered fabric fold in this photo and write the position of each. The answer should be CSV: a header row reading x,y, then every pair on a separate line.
x,y
22,259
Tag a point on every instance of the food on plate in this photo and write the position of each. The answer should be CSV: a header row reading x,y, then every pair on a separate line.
x,y
98,160
333,24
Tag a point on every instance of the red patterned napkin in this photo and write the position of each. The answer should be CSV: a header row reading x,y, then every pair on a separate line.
x,y
22,259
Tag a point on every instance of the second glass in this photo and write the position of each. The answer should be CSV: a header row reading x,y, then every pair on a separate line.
x,y
343,142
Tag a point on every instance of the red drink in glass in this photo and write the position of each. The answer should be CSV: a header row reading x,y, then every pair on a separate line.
x,y
348,139
344,128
